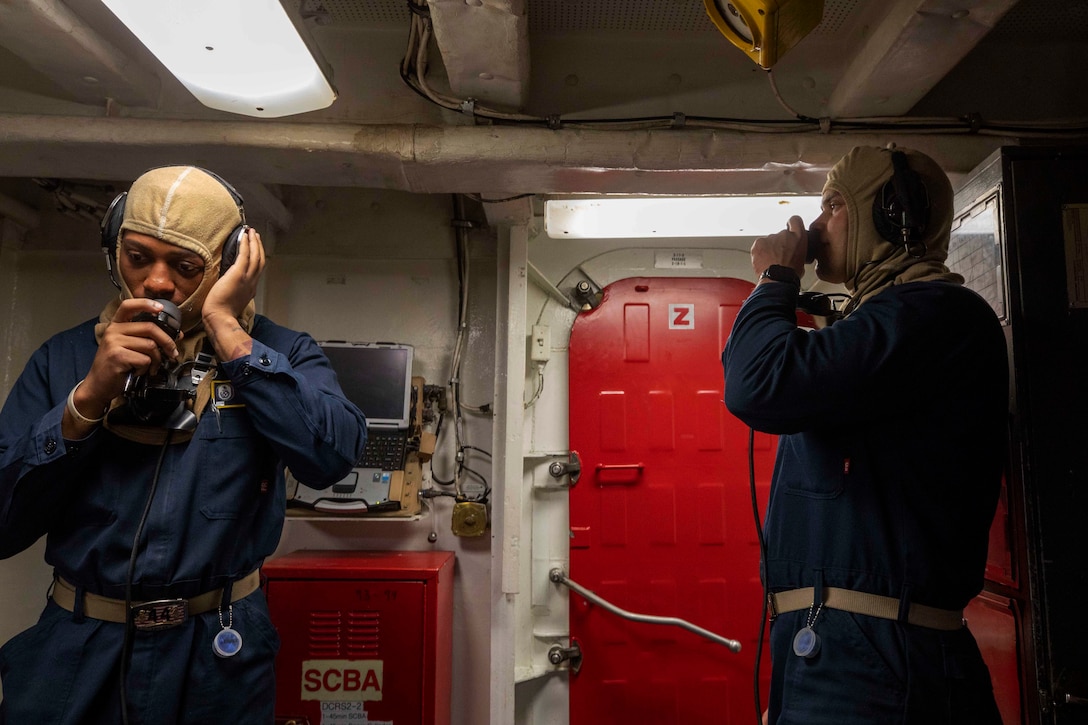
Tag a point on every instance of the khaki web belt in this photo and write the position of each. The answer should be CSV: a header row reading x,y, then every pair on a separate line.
x,y
872,605
153,615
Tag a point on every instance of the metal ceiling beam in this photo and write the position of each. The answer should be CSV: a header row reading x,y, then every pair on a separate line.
x,y
916,45
485,49
60,46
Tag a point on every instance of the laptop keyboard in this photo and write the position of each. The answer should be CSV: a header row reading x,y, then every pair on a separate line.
x,y
384,450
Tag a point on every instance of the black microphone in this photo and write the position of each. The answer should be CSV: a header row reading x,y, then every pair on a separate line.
x,y
816,303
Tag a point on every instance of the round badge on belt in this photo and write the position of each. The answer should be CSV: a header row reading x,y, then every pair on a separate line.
x,y
806,643
227,642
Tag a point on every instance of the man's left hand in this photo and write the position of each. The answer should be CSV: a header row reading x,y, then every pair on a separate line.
x,y
237,287
229,296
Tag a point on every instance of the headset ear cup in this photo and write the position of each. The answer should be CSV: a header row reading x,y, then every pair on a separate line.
x,y
902,204
111,222
230,248
111,227
886,216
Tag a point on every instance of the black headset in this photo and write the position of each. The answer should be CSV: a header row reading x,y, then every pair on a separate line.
x,y
901,207
115,215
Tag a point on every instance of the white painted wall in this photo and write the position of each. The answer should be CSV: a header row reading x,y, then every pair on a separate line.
x,y
42,292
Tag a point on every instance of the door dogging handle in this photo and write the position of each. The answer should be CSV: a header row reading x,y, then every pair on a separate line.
x,y
559,576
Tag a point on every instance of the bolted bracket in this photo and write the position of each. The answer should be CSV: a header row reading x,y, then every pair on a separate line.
x,y
571,468
558,655
586,295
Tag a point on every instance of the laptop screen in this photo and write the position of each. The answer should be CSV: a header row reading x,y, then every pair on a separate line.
x,y
377,377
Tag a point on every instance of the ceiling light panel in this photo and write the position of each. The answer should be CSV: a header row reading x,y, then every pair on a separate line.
x,y
242,56
702,216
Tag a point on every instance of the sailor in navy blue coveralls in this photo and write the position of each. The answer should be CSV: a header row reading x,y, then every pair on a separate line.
x,y
892,425
216,513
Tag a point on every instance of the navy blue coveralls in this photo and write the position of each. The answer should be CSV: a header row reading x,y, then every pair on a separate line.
x,y
893,426
218,511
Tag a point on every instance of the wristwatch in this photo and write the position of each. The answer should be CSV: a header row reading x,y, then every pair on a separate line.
x,y
782,273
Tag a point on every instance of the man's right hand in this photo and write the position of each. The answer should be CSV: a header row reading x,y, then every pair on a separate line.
x,y
126,348
787,248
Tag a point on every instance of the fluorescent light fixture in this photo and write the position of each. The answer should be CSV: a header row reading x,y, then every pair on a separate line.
x,y
241,56
697,216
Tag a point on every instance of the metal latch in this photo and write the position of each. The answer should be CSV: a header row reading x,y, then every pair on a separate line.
x,y
558,655
571,468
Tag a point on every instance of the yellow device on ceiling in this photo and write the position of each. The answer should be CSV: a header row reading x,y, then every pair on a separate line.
x,y
765,29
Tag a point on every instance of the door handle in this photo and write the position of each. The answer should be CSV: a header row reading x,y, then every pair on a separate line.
x,y
619,473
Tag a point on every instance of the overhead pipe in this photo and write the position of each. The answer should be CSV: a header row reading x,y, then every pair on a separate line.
x,y
454,159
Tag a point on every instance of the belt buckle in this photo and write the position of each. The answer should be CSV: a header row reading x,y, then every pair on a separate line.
x,y
159,614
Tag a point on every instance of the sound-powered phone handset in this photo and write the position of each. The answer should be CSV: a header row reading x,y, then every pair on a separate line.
x,y
168,319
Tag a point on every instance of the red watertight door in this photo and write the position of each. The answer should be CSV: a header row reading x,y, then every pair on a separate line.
x,y
661,517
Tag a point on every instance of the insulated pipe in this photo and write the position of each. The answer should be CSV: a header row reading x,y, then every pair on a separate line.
x,y
455,159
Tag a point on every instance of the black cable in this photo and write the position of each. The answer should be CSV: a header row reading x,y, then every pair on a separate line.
x,y
970,124
435,478
459,468
126,643
480,476
763,574
515,197
658,121
421,10
462,253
